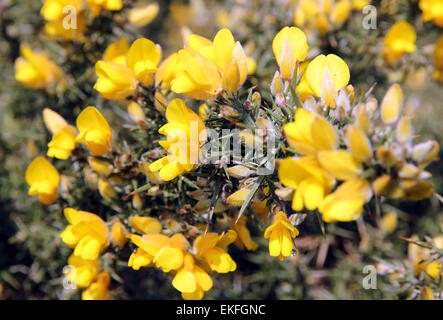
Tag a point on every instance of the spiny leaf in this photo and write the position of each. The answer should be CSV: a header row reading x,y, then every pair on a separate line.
x,y
251,195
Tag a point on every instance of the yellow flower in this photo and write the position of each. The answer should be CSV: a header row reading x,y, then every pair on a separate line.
x,y
143,58
419,257
310,181
58,13
167,71
391,104
57,28
87,233
106,189
359,5
340,163
62,143
251,64
94,131
53,121
43,179
290,47
135,111
207,68
303,89
358,143
244,239
322,24
63,139
212,248
116,52
310,133
346,203
191,280
432,10
145,225
121,67
166,253
148,247
115,81
326,75
103,167
389,222
118,234
83,272
35,70
53,9
280,235
98,5
143,13
185,133
99,289
426,294
340,12
399,40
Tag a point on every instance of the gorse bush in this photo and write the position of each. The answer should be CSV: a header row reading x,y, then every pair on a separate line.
x,y
235,149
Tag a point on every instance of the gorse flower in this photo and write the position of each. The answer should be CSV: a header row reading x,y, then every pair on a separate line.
x,y
280,235
212,248
399,40
244,239
115,81
186,132
87,233
116,52
290,47
432,10
326,75
59,24
191,280
35,70
94,131
84,272
346,203
43,179
310,181
207,68
148,247
167,71
106,189
98,5
119,71
99,289
310,133
63,139
145,225
421,258
143,13
118,234
323,15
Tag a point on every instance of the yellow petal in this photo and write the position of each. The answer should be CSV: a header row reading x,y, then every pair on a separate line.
x,y
340,164
358,143
391,104
53,121
145,225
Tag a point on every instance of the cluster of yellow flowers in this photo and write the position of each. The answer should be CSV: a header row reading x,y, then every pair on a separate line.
x,y
36,70
88,235
338,149
191,266
68,19
323,15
